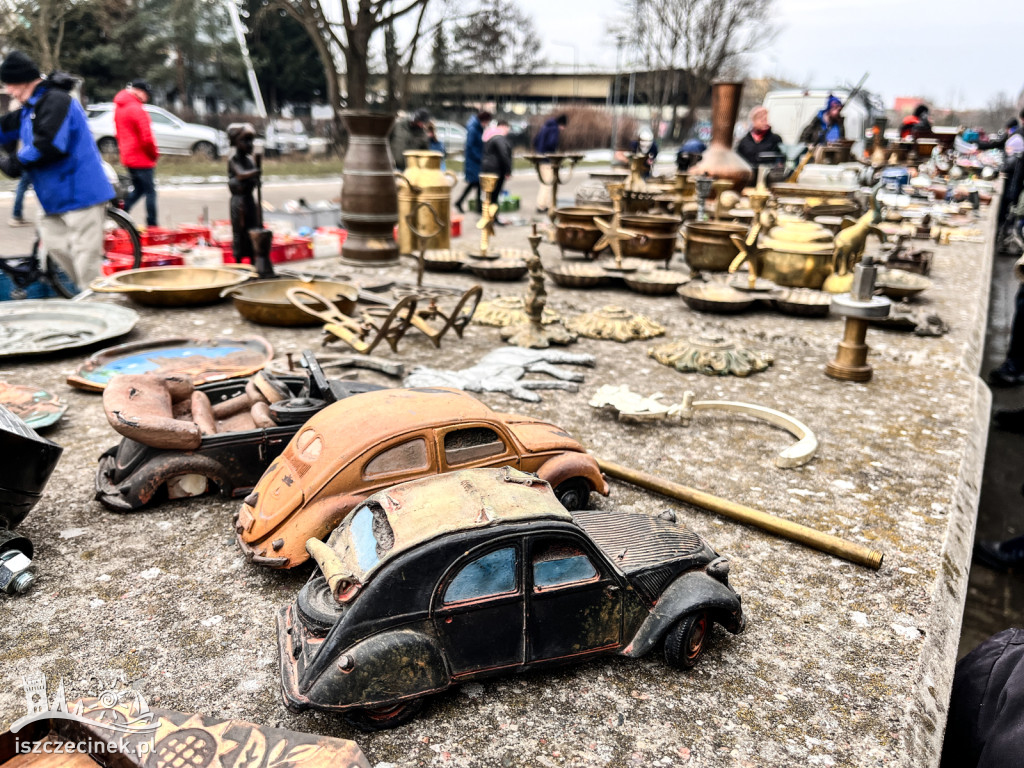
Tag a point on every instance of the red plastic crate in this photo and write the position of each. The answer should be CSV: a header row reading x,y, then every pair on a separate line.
x,y
282,250
158,236
117,241
155,257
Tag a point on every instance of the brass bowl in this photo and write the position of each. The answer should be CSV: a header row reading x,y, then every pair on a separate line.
x,y
174,286
657,240
443,260
575,229
715,297
899,284
802,301
578,275
265,301
502,269
709,245
656,282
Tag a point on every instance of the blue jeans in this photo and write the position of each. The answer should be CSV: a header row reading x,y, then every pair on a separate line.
x,y
144,185
19,196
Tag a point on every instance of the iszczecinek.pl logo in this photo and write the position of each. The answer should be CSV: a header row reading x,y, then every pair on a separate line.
x,y
123,713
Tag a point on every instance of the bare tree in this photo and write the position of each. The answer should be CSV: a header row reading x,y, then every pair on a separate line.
x,y
346,40
688,44
497,38
36,26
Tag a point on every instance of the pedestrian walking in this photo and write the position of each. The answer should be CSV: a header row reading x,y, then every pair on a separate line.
x,y
136,145
473,155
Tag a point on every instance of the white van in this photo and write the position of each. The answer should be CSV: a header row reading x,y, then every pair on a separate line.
x,y
790,111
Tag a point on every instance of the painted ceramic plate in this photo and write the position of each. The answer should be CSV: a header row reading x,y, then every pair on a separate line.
x,y
43,326
36,407
205,360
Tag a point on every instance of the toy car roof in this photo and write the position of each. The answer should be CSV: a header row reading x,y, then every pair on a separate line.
x,y
425,509
402,409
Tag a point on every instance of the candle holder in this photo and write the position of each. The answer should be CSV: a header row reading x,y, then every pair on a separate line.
x,y
488,212
554,162
534,333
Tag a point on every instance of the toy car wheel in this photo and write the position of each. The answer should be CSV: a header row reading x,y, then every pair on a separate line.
x,y
573,494
382,718
687,639
317,606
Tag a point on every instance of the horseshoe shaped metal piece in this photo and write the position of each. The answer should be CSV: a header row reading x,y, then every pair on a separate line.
x,y
795,455
634,407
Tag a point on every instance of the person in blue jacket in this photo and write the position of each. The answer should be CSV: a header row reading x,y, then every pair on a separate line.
x,y
48,140
473,153
826,126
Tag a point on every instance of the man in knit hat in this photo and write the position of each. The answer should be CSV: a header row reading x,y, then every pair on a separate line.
x,y
826,126
48,139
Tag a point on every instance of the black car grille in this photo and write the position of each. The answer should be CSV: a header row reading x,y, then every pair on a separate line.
x,y
636,542
654,580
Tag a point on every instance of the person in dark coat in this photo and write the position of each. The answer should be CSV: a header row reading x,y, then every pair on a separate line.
x,y
498,160
917,125
546,143
759,139
826,126
473,154
409,135
984,728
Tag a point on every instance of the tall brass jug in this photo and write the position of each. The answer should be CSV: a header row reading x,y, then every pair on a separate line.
x,y
426,183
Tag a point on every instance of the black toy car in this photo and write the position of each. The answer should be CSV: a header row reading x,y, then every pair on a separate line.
x,y
182,441
483,571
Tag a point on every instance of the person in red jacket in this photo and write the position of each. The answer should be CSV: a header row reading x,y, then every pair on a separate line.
x,y
136,144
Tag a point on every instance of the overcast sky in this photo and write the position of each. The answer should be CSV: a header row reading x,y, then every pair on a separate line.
x,y
955,54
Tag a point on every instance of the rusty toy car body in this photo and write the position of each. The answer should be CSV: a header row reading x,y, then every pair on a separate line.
x,y
480,572
353,449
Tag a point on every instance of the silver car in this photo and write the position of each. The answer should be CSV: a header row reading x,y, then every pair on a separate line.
x,y
173,135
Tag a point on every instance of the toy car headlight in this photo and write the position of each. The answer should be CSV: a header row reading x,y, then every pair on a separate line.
x,y
308,445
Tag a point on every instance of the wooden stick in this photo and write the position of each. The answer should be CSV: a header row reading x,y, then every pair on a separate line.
x,y
824,542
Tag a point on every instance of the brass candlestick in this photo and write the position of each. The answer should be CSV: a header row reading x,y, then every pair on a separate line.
x,y
488,211
533,333
850,362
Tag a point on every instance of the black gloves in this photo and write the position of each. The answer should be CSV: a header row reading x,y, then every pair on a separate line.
x,y
10,165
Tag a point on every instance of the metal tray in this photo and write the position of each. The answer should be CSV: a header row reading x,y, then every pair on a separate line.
x,y
36,407
204,360
39,327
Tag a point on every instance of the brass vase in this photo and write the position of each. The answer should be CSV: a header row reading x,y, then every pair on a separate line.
x,y
369,196
719,160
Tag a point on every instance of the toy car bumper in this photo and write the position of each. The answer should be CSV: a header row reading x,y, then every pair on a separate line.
x,y
286,628
258,559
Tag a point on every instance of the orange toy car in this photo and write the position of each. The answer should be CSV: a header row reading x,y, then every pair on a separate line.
x,y
361,445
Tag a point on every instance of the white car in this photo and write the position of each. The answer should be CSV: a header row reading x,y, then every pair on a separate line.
x,y
284,136
173,135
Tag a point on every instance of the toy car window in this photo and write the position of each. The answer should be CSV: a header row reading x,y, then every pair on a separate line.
x,y
462,446
557,565
370,535
410,455
488,576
